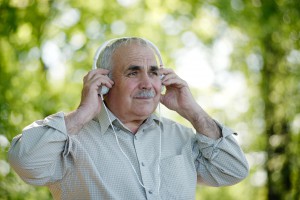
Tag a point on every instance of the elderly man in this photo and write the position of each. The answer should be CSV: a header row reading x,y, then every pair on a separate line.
x,y
113,146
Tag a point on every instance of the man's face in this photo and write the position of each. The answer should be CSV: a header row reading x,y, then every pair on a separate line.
x,y
137,85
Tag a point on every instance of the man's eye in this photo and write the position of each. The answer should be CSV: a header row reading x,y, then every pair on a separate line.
x,y
131,74
155,73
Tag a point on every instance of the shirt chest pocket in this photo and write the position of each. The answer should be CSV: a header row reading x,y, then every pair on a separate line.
x,y
178,178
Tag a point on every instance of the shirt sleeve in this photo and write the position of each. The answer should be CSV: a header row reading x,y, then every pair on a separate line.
x,y
37,154
219,162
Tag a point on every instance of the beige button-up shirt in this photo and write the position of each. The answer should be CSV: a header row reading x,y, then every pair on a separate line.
x,y
90,165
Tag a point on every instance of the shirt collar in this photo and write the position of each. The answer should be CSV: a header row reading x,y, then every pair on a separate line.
x,y
158,120
105,122
154,118
103,118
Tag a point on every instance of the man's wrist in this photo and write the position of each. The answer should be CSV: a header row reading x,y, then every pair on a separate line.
x,y
75,121
203,123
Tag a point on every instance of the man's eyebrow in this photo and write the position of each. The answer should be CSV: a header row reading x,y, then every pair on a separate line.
x,y
153,68
135,67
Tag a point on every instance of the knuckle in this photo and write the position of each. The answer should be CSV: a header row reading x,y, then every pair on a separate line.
x,y
84,78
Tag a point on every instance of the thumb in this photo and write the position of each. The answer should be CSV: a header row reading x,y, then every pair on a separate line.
x,y
162,99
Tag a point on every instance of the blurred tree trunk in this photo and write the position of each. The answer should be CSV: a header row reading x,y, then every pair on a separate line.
x,y
273,31
276,89
276,125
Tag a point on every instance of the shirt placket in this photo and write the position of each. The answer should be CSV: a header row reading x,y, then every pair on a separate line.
x,y
145,171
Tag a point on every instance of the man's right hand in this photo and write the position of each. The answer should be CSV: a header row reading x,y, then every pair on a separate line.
x,y
90,104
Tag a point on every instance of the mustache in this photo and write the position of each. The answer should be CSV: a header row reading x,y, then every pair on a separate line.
x,y
145,94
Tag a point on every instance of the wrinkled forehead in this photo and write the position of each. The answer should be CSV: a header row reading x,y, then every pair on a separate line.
x,y
127,44
136,53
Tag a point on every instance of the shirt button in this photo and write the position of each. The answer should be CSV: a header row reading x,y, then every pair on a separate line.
x,y
150,192
143,164
216,151
135,137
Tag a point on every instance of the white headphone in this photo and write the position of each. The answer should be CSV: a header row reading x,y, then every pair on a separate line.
x,y
103,89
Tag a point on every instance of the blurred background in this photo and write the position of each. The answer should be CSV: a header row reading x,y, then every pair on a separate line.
x,y
241,59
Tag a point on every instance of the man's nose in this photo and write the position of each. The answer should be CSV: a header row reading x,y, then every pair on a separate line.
x,y
145,81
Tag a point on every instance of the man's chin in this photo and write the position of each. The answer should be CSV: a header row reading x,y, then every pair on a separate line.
x,y
144,111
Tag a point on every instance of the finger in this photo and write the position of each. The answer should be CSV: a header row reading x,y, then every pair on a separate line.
x,y
166,71
104,81
95,74
169,76
167,79
162,98
98,71
174,81
100,80
101,71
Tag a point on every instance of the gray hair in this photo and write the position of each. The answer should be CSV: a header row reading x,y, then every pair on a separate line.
x,y
104,59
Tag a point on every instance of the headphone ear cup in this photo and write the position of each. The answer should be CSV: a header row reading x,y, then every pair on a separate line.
x,y
103,90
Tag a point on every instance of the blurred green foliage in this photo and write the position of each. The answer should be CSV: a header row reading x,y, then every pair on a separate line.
x,y
46,47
